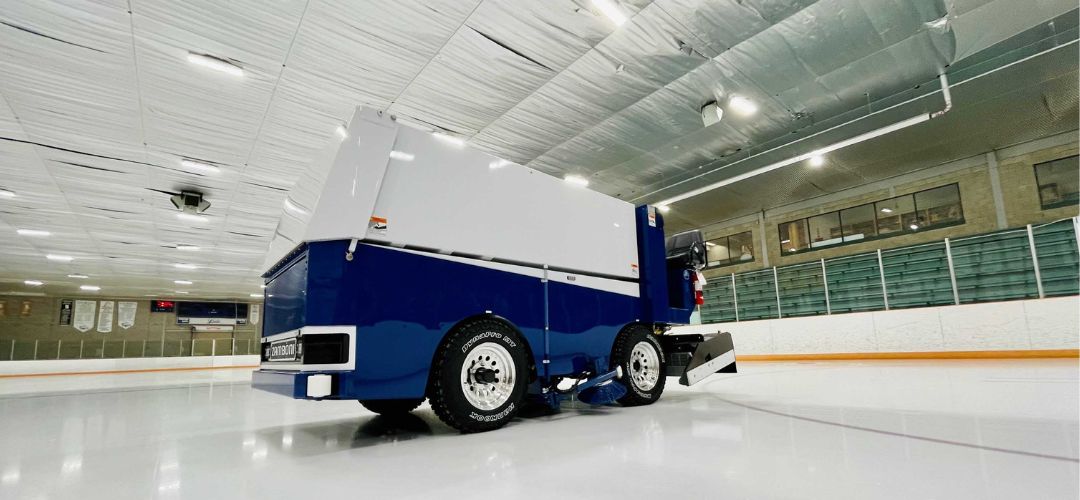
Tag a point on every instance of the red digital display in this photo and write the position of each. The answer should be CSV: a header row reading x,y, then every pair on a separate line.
x,y
162,306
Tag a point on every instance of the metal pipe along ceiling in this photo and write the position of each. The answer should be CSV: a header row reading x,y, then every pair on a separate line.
x,y
887,129
920,118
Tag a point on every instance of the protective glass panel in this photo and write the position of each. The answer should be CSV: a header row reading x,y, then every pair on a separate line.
x,y
825,230
1059,265
917,276
854,283
1059,182
719,303
756,293
993,267
859,222
939,206
896,215
794,236
802,290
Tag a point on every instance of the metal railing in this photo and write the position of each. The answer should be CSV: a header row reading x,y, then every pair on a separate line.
x,y
1034,261
19,350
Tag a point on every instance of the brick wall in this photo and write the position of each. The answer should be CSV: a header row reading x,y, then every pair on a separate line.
x,y
1020,199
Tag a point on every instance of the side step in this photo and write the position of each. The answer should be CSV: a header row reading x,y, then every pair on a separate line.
x,y
695,356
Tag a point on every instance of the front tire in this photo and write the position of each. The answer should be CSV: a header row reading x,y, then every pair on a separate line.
x,y
479,376
644,368
392,406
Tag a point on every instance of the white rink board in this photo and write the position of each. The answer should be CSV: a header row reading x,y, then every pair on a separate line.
x,y
1036,324
452,198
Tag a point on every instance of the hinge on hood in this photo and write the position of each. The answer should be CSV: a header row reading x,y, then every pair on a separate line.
x,y
352,248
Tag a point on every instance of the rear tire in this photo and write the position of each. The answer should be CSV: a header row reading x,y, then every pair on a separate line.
x,y
644,368
392,406
479,376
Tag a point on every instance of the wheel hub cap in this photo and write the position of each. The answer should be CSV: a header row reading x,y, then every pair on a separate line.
x,y
644,366
488,376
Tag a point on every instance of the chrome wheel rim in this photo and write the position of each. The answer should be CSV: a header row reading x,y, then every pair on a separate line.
x,y
488,376
644,366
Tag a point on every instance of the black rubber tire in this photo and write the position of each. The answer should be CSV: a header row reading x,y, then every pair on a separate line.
x,y
620,356
446,394
392,406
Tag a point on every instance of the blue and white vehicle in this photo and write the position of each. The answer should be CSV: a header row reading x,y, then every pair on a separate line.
x,y
429,270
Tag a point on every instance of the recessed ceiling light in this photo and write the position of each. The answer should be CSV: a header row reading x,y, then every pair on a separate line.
x,y
190,217
886,210
33,282
215,63
205,168
710,244
785,242
33,232
612,10
341,131
78,276
663,208
90,288
817,160
188,248
182,282
398,155
262,286
185,266
292,207
742,105
60,258
259,295
498,164
449,139
576,180
4,193
914,227
182,292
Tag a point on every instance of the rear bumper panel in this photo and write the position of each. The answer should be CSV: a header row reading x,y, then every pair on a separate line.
x,y
291,384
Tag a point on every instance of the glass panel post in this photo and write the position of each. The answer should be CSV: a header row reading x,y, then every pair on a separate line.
x,y
123,349
81,342
35,349
1035,262
776,287
884,289
734,298
1076,230
952,272
825,282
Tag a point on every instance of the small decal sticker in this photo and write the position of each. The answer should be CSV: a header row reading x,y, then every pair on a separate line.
x,y
634,270
652,216
378,225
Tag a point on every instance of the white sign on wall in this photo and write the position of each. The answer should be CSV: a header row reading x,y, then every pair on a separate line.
x,y
254,312
105,316
84,315
126,314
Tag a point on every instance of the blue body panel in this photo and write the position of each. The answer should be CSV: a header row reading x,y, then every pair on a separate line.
x,y
403,303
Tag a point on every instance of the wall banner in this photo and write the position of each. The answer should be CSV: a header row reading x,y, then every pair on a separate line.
x,y
84,315
125,312
254,312
105,316
66,308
